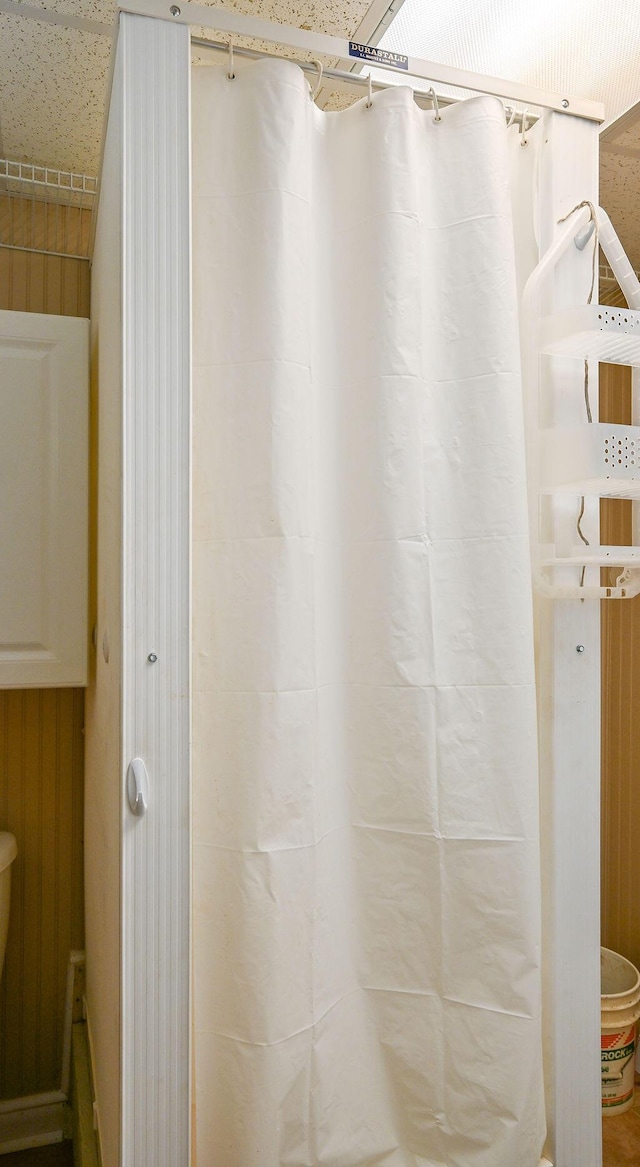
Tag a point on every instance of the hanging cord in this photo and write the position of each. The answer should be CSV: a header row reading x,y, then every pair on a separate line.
x,y
594,220
587,404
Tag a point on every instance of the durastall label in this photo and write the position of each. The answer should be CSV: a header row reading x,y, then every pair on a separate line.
x,y
383,57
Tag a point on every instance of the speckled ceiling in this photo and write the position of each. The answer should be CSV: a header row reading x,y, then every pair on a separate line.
x,y
53,80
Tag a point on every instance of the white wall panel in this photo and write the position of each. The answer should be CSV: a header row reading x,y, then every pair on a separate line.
x,y
156,584
103,729
569,697
138,868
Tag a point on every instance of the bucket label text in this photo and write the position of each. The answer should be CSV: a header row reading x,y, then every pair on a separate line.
x,y
617,1055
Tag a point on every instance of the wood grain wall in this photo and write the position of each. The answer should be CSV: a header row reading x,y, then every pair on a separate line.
x,y
31,282
41,768
41,788
620,716
43,283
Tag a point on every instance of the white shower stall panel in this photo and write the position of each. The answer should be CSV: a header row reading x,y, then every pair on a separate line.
x,y
138,866
372,938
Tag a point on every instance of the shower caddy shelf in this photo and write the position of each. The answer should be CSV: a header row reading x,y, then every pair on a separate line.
x,y
593,332
590,459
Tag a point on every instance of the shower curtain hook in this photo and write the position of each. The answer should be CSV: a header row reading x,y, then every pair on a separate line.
x,y
523,138
230,73
369,101
437,117
313,93
512,115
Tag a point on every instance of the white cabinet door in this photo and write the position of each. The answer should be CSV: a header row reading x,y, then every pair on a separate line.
x,y
44,447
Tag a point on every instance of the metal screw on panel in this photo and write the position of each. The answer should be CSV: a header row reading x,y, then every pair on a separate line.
x,y
152,658
579,647
565,102
175,11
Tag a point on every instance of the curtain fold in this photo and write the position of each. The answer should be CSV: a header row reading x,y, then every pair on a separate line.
x,y
366,870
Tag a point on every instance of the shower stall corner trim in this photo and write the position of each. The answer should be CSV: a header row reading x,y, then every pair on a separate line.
x,y
151,89
569,706
153,78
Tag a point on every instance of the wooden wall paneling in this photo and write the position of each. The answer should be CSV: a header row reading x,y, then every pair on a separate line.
x,y
41,794
31,282
45,225
44,283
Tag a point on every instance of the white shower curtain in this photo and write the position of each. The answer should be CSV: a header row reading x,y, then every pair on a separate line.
x,y
366,883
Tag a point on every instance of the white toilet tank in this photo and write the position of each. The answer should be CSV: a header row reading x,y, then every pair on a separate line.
x,y
8,852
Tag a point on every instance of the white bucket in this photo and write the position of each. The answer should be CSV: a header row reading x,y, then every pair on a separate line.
x,y
619,1013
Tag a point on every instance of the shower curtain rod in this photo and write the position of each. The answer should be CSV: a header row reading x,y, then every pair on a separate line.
x,y
345,78
232,23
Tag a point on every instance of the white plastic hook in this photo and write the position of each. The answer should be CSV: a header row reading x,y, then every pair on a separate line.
x,y
230,73
523,136
437,117
369,101
313,93
512,115
137,787
583,237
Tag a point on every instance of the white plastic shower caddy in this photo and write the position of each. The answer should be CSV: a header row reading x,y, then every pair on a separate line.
x,y
591,459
